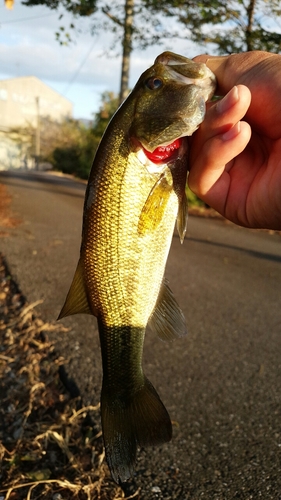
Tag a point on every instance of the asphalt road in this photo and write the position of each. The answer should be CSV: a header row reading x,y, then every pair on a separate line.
x,y
221,384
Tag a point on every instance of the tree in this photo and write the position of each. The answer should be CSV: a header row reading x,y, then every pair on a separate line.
x,y
127,20
229,25
109,104
72,148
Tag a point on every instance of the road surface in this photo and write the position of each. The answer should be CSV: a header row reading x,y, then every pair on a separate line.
x,y
221,384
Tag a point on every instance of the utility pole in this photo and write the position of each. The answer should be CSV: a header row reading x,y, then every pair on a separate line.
x,y
37,137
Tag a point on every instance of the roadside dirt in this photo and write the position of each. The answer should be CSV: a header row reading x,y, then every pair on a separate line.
x,y
7,220
49,447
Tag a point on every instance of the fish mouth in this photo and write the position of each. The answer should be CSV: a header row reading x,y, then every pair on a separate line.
x,y
165,153
187,71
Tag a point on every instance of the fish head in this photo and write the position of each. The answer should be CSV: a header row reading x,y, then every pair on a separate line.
x,y
170,100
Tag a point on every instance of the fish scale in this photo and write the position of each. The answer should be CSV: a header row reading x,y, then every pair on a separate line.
x,y
126,277
130,209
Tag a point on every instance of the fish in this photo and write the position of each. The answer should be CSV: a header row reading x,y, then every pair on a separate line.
x,y
136,192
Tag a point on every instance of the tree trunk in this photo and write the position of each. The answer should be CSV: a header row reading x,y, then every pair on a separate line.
x,y
249,28
127,49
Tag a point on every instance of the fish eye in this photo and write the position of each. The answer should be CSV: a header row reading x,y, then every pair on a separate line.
x,y
153,83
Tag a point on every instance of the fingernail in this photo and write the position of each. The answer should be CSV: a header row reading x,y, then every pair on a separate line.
x,y
232,133
228,101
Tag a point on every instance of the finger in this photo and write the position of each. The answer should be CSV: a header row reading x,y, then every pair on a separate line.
x,y
221,137
223,114
218,65
233,69
214,162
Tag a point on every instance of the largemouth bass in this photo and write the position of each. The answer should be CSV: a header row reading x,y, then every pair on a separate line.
x,y
135,192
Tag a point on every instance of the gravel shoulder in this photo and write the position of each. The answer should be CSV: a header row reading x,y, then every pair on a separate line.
x,y
50,445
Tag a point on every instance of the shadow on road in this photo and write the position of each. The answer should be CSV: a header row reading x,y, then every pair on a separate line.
x,y
69,185
252,253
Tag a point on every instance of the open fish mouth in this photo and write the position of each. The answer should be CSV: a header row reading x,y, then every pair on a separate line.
x,y
164,153
162,156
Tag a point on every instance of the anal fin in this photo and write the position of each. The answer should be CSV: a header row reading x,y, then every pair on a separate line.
x,y
76,301
167,319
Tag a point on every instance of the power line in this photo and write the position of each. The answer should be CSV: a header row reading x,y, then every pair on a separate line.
x,y
79,69
64,92
27,18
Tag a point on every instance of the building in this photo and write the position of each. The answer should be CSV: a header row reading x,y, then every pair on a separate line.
x,y
22,98
23,101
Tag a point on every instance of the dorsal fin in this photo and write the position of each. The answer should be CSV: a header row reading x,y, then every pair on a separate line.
x,y
167,319
76,301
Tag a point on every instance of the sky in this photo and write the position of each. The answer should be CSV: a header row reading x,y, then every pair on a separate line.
x,y
80,71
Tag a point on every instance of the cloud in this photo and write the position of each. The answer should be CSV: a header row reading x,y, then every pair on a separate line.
x,y
80,71
28,47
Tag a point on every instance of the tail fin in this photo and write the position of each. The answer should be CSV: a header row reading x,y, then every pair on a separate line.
x,y
142,421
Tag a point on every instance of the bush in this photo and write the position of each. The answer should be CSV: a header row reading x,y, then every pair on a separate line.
x,y
71,160
193,200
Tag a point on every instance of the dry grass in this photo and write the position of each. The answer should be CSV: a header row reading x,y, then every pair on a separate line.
x,y
49,448
7,220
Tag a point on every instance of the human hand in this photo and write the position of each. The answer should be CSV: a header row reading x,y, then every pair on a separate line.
x,y
235,166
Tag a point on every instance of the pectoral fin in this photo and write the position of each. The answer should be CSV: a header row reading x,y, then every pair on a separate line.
x,y
76,301
167,319
154,207
179,174
182,217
